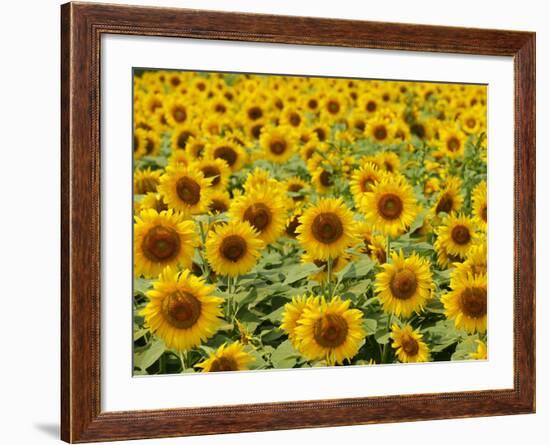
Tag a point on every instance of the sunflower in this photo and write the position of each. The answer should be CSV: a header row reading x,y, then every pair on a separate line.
x,y
457,235
181,135
337,264
153,201
179,158
219,202
375,246
227,150
263,210
444,258
232,249
261,179
334,107
471,120
327,229
450,199
408,345
391,206
475,263
227,358
405,284
479,204
292,313
296,188
182,310
330,331
150,143
186,190
379,130
217,170
388,161
146,181
176,111
480,353
452,141
278,143
323,179
160,240
363,180
293,221
466,303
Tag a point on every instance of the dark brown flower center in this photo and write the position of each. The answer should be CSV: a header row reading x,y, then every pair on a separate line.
x,y
409,345
256,130
258,215
233,248
333,107
255,113
325,178
161,244
312,104
179,114
327,228
484,213
471,122
295,188
136,143
218,206
419,130
149,145
188,190
212,171
390,206
461,235
330,331
366,184
403,284
321,134
295,119
371,106
473,302
277,147
453,144
359,125
380,132
292,226
223,364
175,81
183,138
445,204
227,154
181,309
220,108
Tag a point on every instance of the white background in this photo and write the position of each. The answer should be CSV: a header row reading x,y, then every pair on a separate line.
x,y
120,392
29,105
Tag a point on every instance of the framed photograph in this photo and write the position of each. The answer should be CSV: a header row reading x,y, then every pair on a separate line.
x,y
274,222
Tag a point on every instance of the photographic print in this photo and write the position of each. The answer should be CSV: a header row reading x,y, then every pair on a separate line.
x,y
297,221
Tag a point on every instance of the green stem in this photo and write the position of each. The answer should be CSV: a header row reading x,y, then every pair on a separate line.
x,y
182,358
329,277
386,352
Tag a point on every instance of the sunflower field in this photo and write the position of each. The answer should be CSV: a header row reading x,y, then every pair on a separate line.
x,y
295,222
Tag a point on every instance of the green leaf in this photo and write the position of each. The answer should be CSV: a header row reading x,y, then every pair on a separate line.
x,y
370,326
141,285
465,348
146,358
299,271
356,269
285,356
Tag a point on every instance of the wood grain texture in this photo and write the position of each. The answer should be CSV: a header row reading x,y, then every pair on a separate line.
x,y
81,28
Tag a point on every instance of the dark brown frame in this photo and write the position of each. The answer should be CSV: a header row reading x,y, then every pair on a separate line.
x,y
81,28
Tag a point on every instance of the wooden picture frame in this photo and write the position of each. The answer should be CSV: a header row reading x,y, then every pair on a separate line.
x,y
82,26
